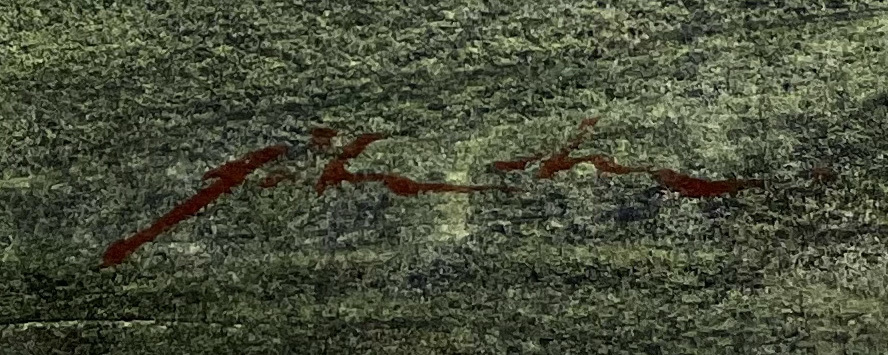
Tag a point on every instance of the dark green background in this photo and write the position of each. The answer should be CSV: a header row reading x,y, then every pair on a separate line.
x,y
110,113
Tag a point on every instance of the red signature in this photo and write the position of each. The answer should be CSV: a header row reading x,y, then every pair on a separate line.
x,y
234,173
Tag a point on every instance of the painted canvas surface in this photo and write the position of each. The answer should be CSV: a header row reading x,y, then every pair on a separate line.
x,y
449,177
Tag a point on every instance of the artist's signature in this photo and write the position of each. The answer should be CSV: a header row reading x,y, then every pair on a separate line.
x,y
234,173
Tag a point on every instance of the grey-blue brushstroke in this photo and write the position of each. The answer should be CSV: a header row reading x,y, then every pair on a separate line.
x,y
645,205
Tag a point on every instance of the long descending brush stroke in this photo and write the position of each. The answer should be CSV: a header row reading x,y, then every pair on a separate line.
x,y
228,176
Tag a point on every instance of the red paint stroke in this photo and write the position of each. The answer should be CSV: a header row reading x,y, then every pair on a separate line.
x,y
557,162
519,164
321,137
688,186
229,175
685,185
562,160
274,178
335,173
407,187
